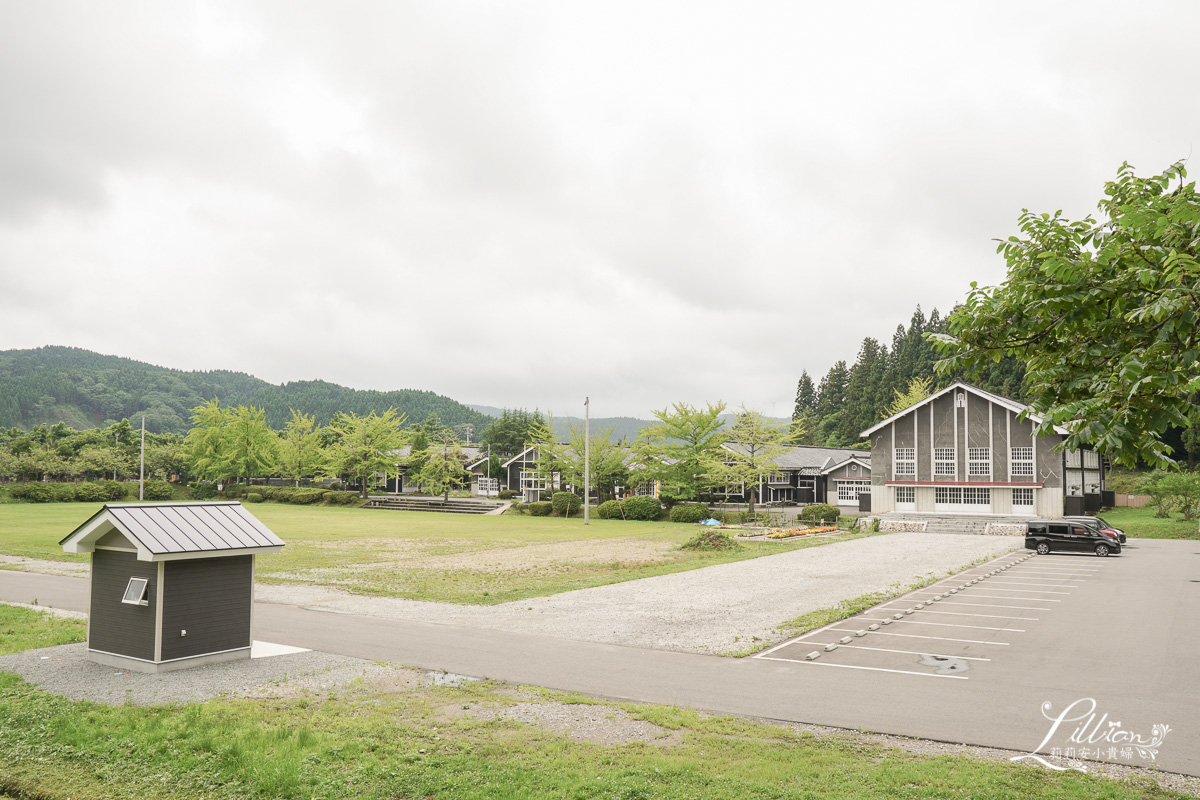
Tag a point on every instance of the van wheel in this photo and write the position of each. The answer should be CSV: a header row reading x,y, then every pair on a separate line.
x,y
1043,549
1101,550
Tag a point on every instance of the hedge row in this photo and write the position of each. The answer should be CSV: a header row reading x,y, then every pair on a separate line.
x,y
297,496
635,508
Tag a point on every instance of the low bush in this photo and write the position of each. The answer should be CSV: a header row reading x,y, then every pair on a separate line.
x,y
91,493
307,497
542,509
115,490
816,512
731,517
507,494
341,498
565,503
642,508
689,513
710,540
35,492
253,497
232,491
610,509
203,491
157,490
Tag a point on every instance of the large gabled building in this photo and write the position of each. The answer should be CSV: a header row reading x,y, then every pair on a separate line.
x,y
964,450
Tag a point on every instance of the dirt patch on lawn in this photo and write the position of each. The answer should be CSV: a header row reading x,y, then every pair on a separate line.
x,y
598,724
74,569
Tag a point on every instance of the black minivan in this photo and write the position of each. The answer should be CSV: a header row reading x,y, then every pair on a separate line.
x,y
1063,535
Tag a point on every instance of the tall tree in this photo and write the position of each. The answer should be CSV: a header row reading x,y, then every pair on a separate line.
x,y
680,448
806,397
918,389
755,444
300,453
1104,313
444,466
508,434
366,445
204,446
606,461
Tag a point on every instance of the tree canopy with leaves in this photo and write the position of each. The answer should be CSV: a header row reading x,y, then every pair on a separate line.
x,y
681,448
1104,313
366,445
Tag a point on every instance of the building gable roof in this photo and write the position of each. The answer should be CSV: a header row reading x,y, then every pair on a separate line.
x,y
999,400
170,531
810,458
865,463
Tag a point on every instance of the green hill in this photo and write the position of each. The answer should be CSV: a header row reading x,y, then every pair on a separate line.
x,y
85,389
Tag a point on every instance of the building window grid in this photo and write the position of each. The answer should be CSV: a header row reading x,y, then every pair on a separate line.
x,y
532,480
848,491
1022,461
906,461
1022,498
944,461
947,495
962,495
979,461
906,495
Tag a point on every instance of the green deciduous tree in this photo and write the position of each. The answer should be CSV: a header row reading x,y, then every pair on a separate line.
x,y
681,449
300,452
365,445
508,434
1104,313
252,449
444,465
204,446
754,444
918,389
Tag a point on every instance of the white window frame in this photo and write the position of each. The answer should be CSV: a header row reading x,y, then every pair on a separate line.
x,y
843,494
1091,459
135,592
906,461
531,480
979,461
1021,461
945,461
906,496
1022,494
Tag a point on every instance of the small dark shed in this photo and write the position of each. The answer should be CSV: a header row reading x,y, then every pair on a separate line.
x,y
172,584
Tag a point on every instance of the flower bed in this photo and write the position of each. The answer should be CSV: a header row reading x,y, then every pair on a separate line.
x,y
789,534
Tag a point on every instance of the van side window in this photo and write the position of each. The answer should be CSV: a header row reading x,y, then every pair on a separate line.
x,y
1041,528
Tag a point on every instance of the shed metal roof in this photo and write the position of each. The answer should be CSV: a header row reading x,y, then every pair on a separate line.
x,y
163,531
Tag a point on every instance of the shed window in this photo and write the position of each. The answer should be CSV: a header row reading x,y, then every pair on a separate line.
x,y
135,592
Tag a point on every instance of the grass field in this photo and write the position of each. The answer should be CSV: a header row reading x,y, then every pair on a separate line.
x,y
1141,523
423,741
422,556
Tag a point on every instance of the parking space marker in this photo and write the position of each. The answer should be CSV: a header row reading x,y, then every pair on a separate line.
x,y
947,602
1032,583
909,652
1025,591
872,669
1052,571
937,638
951,625
1006,597
968,614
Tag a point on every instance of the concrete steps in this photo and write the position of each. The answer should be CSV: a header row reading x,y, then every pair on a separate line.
x,y
454,505
967,523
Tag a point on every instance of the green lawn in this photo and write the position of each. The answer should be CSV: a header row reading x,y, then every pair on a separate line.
x,y
424,556
1141,523
432,742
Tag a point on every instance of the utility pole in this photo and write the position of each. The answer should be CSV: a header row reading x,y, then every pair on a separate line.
x,y
142,465
587,451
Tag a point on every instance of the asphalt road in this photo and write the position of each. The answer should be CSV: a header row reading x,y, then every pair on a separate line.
x,y
1124,638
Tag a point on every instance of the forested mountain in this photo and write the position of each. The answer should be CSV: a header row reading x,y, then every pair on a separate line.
x,y
85,389
852,398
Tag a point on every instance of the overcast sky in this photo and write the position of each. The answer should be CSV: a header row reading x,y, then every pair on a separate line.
x,y
519,204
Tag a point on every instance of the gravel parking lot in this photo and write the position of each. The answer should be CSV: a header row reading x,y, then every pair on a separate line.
x,y
720,609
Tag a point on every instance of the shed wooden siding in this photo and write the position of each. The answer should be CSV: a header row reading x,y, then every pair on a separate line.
x,y
113,626
210,598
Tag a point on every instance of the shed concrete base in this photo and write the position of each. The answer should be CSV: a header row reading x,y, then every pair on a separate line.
x,y
140,665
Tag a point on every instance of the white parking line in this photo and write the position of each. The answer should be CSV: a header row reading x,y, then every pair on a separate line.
x,y
995,605
1006,597
1033,583
962,614
915,636
941,624
1025,591
872,669
909,652
1063,571
926,591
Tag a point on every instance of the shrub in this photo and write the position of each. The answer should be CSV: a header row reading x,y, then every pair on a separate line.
x,y
710,540
91,493
341,498
542,509
253,497
157,490
115,490
232,491
609,509
689,513
506,494
306,497
642,508
817,512
203,491
565,503
36,492
518,508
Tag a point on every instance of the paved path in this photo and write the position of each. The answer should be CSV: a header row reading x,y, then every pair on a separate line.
x,y
719,609
1128,641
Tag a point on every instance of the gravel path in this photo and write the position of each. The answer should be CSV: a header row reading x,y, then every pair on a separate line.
x,y
719,609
